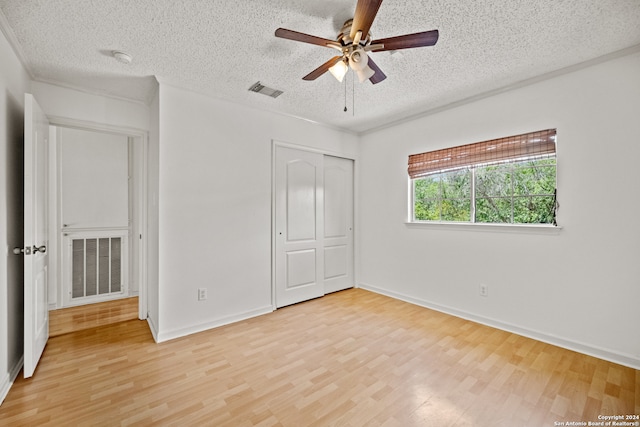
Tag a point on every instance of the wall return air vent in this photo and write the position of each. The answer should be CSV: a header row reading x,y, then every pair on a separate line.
x,y
260,88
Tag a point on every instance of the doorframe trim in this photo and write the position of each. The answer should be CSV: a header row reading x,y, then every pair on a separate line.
x,y
140,172
278,143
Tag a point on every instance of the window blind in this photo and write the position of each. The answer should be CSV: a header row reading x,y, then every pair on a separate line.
x,y
512,148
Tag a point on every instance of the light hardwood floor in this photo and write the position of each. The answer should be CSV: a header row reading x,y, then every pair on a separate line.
x,y
352,358
73,319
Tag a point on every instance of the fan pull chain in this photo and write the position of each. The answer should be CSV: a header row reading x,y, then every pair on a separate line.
x,y
345,95
353,94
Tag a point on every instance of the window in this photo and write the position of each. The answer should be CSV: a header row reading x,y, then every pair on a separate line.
x,y
506,181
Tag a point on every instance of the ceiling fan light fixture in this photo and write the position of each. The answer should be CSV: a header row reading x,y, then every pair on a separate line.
x,y
365,74
358,59
339,70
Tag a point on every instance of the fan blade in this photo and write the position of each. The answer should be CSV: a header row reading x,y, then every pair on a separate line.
x,y
379,75
366,11
426,38
323,68
305,38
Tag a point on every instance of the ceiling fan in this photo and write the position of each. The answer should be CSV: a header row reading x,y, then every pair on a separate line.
x,y
354,41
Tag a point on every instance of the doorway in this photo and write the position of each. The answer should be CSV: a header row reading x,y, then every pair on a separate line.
x,y
313,225
97,215
43,225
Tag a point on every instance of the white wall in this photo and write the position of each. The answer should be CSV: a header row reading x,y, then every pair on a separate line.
x,y
215,206
94,179
14,82
579,287
64,103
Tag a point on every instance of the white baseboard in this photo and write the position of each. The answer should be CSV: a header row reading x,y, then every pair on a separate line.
x,y
9,379
181,332
600,353
153,328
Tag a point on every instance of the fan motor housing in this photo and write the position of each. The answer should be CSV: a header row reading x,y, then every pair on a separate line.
x,y
345,35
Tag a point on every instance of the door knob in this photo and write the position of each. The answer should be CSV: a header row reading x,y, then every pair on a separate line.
x,y
42,249
30,250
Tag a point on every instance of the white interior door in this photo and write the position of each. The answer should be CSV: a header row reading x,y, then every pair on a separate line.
x,y
338,224
298,226
36,314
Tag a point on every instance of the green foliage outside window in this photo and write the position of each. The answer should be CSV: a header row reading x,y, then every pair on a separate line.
x,y
443,197
518,193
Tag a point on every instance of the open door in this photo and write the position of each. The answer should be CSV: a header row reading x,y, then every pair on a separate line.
x,y
36,314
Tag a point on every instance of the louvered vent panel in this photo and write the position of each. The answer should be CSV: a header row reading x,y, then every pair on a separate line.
x,y
116,264
91,266
77,267
104,256
96,266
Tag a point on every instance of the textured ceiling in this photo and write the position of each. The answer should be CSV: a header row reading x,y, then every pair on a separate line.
x,y
222,47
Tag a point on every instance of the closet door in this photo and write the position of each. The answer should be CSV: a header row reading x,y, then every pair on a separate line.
x,y
299,226
338,224
313,225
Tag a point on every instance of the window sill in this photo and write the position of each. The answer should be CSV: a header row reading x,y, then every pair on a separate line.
x,y
500,228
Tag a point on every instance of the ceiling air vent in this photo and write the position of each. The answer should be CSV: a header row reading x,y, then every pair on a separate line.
x,y
260,88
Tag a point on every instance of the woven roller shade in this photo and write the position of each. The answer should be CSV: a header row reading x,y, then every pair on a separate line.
x,y
512,148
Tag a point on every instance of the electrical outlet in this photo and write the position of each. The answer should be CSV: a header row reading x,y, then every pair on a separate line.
x,y
202,294
484,290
